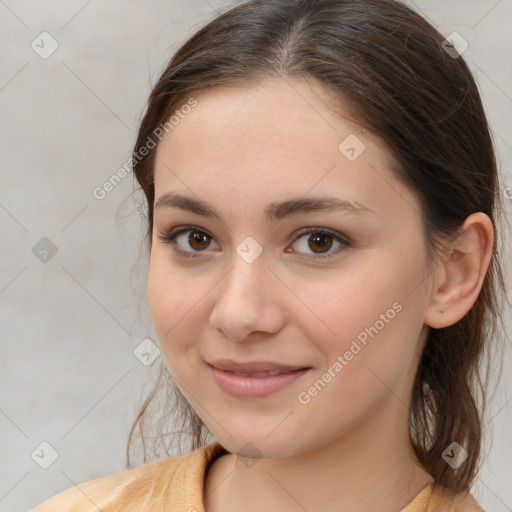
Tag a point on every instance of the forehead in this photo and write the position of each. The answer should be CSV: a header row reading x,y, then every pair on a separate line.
x,y
282,112
273,138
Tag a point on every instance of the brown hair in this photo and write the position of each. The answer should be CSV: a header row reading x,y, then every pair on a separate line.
x,y
390,64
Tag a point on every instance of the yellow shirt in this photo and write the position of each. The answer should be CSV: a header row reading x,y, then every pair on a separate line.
x,y
175,484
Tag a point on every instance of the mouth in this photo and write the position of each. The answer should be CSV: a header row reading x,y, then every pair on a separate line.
x,y
254,380
255,367
263,374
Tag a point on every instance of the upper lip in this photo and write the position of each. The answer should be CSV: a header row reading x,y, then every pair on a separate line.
x,y
254,366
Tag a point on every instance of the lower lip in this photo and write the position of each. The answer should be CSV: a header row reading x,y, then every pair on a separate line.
x,y
240,386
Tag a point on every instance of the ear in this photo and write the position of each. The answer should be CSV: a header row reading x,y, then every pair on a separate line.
x,y
458,280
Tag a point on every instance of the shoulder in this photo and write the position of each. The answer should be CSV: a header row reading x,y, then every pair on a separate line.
x,y
108,490
444,501
162,480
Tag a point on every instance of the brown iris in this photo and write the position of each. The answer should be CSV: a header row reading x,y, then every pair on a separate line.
x,y
319,239
197,237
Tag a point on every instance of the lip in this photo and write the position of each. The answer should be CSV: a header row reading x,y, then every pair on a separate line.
x,y
250,386
254,366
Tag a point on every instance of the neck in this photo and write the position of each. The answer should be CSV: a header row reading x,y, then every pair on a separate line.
x,y
370,468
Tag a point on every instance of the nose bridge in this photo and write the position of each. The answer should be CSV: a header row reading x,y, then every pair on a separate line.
x,y
244,301
248,270
244,284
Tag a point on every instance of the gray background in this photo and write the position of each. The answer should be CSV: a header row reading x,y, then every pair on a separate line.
x,y
69,325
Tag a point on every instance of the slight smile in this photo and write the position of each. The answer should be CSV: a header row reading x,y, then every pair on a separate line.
x,y
254,379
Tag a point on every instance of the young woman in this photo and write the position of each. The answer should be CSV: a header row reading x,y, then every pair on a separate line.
x,y
321,200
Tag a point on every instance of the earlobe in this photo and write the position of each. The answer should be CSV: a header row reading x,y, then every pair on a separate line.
x,y
459,278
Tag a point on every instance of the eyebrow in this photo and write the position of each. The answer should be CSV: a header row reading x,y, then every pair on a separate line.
x,y
274,211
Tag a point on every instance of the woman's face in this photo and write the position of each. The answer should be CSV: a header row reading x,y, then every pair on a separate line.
x,y
338,315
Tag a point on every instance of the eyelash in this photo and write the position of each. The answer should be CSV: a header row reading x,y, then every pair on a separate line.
x,y
169,238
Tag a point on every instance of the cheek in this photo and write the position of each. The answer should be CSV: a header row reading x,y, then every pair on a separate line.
x,y
167,290
370,314
345,305
161,298
174,303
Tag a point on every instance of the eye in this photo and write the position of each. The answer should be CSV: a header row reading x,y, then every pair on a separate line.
x,y
320,241
197,239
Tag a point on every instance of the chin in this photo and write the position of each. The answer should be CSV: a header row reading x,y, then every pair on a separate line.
x,y
258,446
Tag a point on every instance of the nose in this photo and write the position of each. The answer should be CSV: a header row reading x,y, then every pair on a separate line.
x,y
247,301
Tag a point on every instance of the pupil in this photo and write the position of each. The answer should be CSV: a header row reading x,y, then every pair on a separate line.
x,y
197,238
316,239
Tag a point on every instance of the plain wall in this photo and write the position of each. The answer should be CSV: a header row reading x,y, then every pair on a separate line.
x,y
69,325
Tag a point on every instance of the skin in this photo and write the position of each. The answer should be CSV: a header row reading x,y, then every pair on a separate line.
x,y
348,449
